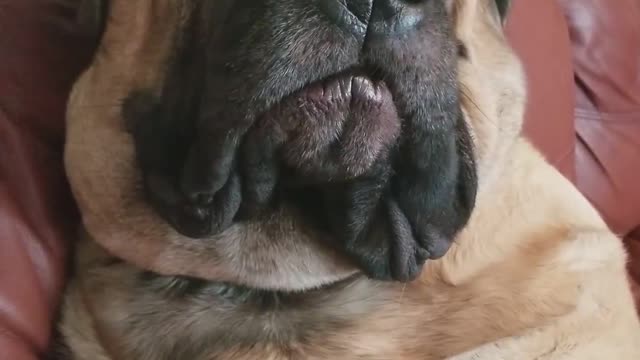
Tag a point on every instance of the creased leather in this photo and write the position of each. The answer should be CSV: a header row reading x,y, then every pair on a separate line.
x,y
605,37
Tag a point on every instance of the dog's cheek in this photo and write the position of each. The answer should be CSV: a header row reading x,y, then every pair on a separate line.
x,y
456,210
161,142
391,233
158,141
436,192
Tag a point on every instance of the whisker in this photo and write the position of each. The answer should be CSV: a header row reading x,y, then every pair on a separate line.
x,y
465,93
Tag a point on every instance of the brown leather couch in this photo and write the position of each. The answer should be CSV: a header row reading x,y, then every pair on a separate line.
x,y
583,62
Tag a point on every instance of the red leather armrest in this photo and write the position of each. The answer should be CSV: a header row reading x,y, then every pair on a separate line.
x,y
40,59
605,36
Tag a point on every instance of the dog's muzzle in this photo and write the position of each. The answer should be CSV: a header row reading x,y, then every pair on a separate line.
x,y
351,103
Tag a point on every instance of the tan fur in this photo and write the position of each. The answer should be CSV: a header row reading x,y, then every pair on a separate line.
x,y
535,275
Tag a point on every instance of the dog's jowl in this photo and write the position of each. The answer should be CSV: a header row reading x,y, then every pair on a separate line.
x,y
354,103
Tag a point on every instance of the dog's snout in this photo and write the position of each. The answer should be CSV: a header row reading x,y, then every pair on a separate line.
x,y
374,17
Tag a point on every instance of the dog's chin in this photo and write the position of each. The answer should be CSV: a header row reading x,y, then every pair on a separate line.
x,y
237,293
282,250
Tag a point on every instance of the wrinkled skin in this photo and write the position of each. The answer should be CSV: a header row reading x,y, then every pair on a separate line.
x,y
270,100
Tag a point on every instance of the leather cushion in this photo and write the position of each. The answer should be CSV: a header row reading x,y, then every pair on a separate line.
x,y
605,36
40,58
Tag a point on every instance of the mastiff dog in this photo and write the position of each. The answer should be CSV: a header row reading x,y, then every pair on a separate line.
x,y
324,179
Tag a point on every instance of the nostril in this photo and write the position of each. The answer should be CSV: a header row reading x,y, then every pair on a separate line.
x,y
353,15
360,8
374,17
395,16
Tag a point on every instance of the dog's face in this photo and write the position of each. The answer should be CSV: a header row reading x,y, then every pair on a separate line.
x,y
317,128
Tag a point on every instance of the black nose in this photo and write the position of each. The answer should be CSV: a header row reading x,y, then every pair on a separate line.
x,y
374,17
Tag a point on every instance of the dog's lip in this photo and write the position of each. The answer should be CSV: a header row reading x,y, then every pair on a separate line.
x,y
352,87
345,88
333,107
